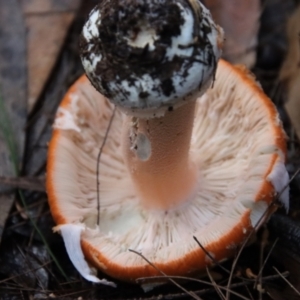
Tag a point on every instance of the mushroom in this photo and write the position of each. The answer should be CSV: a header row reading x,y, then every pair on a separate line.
x,y
182,157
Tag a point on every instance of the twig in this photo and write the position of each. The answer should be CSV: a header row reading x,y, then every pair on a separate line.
x,y
270,207
263,243
28,264
203,291
290,285
259,277
217,288
248,290
208,290
192,294
234,263
286,186
24,273
98,163
210,256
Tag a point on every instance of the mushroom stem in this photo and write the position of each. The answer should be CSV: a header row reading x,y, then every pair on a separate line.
x,y
156,152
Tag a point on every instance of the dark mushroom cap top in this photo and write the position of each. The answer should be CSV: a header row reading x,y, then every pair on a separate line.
x,y
150,54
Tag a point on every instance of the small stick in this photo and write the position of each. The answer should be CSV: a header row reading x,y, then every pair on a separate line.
x,y
204,291
290,285
210,256
244,283
98,163
192,294
259,277
216,287
272,204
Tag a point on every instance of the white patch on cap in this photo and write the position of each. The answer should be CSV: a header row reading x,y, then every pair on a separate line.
x,y
71,234
91,62
279,178
191,81
90,29
143,83
180,44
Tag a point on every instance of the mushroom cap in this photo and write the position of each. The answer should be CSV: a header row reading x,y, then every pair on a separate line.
x,y
237,142
146,56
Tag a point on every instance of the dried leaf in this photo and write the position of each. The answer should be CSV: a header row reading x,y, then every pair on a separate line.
x,y
47,23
